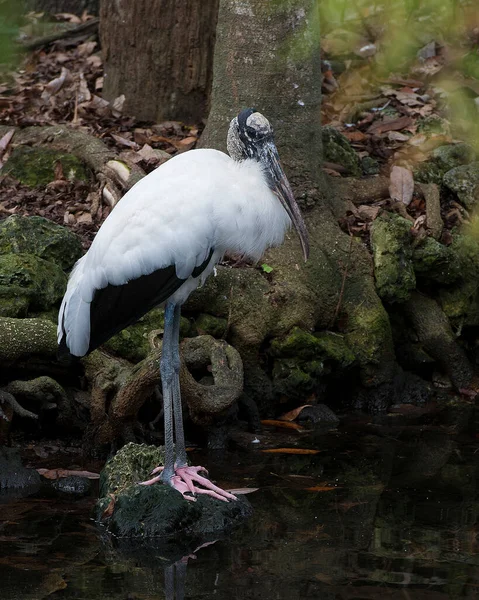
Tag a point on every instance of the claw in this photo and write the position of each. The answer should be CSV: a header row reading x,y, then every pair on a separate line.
x,y
185,481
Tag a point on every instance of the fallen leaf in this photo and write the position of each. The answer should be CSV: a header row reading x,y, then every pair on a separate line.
x,y
393,125
59,473
242,491
55,85
5,140
355,136
110,508
290,451
322,488
292,414
401,186
367,212
124,142
283,424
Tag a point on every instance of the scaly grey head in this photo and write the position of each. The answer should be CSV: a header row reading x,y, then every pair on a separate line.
x,y
250,136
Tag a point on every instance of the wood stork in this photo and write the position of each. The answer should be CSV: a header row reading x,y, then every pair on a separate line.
x,y
162,241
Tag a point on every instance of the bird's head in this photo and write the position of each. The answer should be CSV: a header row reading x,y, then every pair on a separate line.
x,y
250,136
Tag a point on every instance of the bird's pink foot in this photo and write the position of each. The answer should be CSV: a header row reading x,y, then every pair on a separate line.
x,y
189,482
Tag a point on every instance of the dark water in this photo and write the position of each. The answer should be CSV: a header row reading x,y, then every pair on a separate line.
x,y
393,513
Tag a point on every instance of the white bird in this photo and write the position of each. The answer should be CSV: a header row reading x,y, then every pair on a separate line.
x,y
162,241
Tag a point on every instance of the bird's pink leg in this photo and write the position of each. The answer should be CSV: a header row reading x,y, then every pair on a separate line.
x,y
187,480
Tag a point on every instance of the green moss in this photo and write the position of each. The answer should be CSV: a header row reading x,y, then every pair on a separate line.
x,y
392,255
28,282
337,149
369,332
435,262
209,325
132,343
36,166
323,345
291,381
41,237
133,463
464,181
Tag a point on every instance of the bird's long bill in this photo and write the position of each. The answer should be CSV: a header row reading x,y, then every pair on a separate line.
x,y
283,191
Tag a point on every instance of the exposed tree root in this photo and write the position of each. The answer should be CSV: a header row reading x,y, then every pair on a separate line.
x,y
115,175
435,334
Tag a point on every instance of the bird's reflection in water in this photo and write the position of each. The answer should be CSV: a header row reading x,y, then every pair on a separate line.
x,y
175,575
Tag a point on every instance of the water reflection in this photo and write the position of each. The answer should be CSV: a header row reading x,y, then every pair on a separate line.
x,y
381,512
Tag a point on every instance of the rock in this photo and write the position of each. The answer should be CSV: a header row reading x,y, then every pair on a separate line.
x,y
29,283
35,166
369,166
318,414
464,181
435,262
392,255
453,155
133,344
14,477
211,325
443,159
302,358
434,220
158,511
337,149
73,485
41,237
434,124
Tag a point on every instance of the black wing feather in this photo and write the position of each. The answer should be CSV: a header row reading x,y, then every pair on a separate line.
x,y
118,306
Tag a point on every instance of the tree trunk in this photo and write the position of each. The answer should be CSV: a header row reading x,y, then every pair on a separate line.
x,y
267,57
159,54
70,6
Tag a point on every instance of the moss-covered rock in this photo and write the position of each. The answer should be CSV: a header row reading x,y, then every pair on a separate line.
x,y
158,511
460,301
369,166
464,181
337,149
435,262
323,346
28,282
41,237
133,344
303,358
443,159
210,325
392,254
35,166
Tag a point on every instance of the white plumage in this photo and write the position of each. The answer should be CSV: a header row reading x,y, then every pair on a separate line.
x,y
196,201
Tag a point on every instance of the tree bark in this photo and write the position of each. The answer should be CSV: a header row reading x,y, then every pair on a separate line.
x,y
267,56
70,6
159,54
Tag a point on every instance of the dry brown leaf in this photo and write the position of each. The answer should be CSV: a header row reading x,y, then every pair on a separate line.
x,y
355,136
5,140
290,451
56,84
242,491
110,508
292,414
59,473
367,212
321,488
401,186
393,125
283,424
124,142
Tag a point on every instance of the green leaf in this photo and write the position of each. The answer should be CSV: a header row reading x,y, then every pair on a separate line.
x,y
266,268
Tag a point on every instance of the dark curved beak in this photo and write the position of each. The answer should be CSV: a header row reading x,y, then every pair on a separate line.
x,y
281,188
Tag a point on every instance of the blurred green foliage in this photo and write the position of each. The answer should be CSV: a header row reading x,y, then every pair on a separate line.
x,y
11,13
400,31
